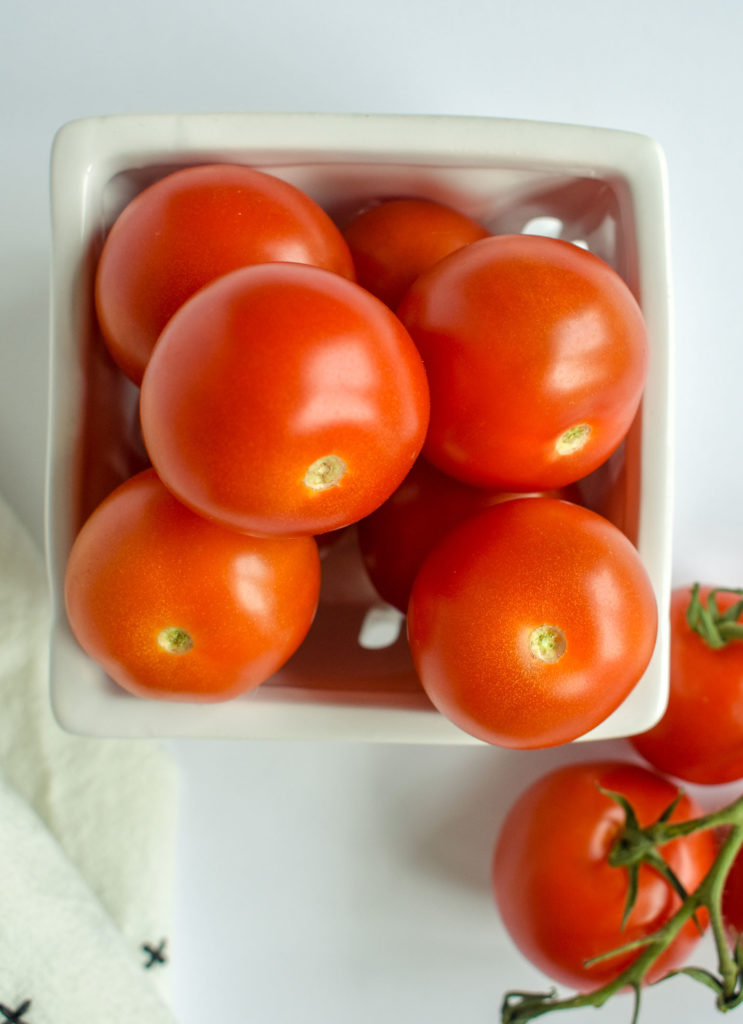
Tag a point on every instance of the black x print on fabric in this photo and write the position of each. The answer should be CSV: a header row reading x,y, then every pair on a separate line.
x,y
156,955
15,1016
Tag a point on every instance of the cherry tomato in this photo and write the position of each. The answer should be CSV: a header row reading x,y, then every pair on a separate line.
x,y
394,241
732,898
700,736
189,228
178,608
530,622
395,539
561,900
537,355
284,399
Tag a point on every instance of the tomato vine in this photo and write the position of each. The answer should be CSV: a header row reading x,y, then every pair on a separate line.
x,y
632,847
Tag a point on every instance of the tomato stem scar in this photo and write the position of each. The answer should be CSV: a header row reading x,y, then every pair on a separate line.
x,y
573,439
547,643
325,472
175,640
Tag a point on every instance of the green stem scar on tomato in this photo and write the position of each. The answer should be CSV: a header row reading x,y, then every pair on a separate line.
x,y
573,439
175,640
325,472
547,643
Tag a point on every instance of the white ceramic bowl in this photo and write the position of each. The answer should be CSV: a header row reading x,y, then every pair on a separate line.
x,y
603,188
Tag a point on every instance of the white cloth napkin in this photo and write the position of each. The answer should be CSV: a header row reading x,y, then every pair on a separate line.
x,y
87,838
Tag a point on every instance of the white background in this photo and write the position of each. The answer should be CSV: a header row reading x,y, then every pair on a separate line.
x,y
349,883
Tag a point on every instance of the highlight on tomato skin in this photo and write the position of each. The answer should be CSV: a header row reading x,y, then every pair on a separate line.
x,y
175,607
191,227
700,736
393,241
284,400
530,622
560,899
537,356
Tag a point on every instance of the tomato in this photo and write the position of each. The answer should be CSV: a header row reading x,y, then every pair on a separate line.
x,y
530,622
394,241
284,399
178,608
189,228
537,355
732,898
395,539
560,899
700,736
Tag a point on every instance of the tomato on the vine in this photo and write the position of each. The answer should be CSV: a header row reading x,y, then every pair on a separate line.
x,y
284,399
561,900
177,608
700,736
536,353
191,227
530,622
394,241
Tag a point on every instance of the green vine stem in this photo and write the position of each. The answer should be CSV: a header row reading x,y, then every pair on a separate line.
x,y
716,628
637,845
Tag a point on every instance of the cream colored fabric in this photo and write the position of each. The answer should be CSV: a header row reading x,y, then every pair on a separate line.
x,y
86,836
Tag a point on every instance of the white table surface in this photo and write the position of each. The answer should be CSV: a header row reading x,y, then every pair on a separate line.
x,y
343,883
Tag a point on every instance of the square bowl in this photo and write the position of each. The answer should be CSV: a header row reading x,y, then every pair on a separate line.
x,y
600,188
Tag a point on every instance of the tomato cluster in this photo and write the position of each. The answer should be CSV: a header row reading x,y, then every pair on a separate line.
x,y
410,373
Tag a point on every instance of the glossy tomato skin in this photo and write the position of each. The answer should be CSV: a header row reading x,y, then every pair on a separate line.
x,y
394,241
537,355
561,901
146,573
395,539
274,370
700,736
530,622
188,229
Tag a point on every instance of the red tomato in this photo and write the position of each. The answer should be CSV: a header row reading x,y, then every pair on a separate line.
x,y
700,736
393,242
560,899
395,539
530,622
536,353
177,608
284,399
191,227
732,898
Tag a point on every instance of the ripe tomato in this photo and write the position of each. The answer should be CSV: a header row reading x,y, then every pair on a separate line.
x,y
700,736
393,242
732,898
284,399
536,353
189,228
560,899
177,608
530,622
395,539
